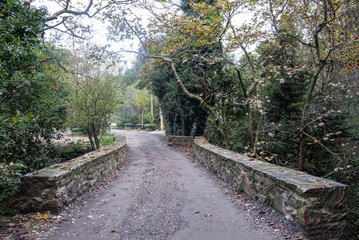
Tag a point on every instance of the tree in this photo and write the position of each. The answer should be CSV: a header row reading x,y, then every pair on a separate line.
x,y
180,38
317,27
92,102
32,88
142,101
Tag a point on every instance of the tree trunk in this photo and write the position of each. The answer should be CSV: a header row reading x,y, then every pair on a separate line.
x,y
305,112
95,135
90,136
248,109
152,114
222,135
161,120
142,115
259,128
250,126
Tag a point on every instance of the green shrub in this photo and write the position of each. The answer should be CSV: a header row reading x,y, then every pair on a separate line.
x,y
73,150
148,117
20,141
9,185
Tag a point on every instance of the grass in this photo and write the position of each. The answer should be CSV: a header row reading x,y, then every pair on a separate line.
x,y
76,134
107,139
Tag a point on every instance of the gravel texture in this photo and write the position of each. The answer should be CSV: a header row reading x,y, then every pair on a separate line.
x,y
163,193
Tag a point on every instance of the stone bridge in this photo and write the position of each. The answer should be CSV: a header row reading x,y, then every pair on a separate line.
x,y
170,197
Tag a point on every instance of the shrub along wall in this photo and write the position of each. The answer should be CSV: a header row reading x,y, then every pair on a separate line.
x,y
52,188
318,204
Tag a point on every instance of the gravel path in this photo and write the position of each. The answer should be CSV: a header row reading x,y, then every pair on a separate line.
x,y
160,193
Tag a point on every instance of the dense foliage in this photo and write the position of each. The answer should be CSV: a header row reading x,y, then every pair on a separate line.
x,y
32,94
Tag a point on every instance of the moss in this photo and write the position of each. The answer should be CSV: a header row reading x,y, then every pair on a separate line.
x,y
47,170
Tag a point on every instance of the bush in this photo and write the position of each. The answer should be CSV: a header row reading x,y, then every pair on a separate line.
x,y
22,140
148,117
235,131
9,185
73,150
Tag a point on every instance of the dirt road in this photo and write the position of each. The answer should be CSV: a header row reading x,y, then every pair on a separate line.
x,y
162,194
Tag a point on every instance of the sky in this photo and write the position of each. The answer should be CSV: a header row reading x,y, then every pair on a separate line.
x,y
100,32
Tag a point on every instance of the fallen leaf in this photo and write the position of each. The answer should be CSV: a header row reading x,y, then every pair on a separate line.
x,y
287,237
208,215
41,216
114,230
247,204
196,211
271,224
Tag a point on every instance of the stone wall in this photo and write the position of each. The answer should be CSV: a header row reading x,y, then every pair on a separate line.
x,y
52,188
179,140
318,204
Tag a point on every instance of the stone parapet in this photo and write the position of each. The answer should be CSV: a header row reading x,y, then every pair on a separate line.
x,y
318,204
52,188
179,140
